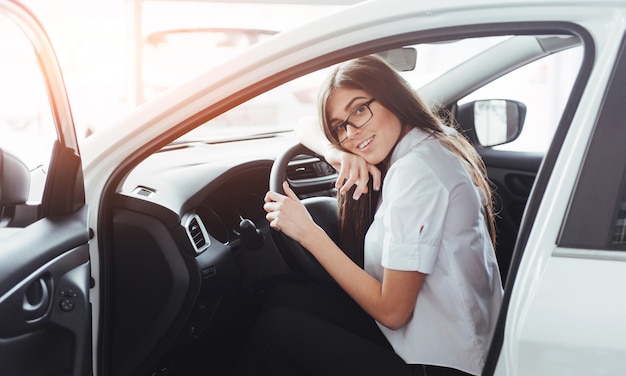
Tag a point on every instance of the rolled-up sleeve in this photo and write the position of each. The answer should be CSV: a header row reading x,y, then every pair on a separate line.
x,y
413,217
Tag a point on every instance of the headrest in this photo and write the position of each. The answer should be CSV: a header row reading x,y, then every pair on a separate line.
x,y
14,180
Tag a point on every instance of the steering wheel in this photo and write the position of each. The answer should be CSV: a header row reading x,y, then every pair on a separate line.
x,y
323,210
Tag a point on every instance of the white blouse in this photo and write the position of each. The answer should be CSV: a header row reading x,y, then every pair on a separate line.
x,y
431,219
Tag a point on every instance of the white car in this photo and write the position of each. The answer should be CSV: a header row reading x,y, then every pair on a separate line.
x,y
144,251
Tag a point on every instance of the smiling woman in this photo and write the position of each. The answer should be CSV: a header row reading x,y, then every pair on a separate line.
x,y
150,249
219,168
427,240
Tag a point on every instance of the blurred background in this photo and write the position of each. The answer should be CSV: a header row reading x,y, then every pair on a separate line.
x,y
116,54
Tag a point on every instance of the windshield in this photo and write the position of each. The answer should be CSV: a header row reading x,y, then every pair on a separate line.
x,y
279,109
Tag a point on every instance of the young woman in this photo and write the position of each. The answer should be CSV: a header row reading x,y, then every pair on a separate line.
x,y
421,286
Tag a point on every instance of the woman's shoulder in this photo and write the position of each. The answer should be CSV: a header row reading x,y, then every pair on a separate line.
x,y
428,159
421,150
415,167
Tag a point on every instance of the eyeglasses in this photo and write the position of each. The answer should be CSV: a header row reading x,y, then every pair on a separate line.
x,y
357,119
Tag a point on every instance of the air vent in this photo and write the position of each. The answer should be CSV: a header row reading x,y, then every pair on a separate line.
x,y
308,169
196,232
144,191
302,171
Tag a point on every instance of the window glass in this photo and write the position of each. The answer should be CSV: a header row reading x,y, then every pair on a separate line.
x,y
544,87
280,109
435,59
26,122
596,214
191,51
619,235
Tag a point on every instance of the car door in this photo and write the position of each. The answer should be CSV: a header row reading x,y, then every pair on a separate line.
x,y
45,319
566,310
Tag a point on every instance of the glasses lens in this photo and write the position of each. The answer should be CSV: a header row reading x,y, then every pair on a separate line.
x,y
360,116
357,118
340,132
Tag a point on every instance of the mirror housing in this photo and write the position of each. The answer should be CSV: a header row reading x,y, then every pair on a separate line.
x,y
401,59
492,122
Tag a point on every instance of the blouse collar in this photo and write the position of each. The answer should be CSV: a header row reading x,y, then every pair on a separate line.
x,y
413,137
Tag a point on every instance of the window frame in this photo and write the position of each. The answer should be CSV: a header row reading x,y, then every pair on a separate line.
x,y
594,205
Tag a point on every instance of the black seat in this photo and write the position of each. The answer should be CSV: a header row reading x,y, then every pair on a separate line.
x,y
14,184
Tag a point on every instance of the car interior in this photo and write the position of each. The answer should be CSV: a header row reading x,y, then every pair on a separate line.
x,y
189,255
186,255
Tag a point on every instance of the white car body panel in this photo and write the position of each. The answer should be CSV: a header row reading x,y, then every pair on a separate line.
x,y
547,337
543,335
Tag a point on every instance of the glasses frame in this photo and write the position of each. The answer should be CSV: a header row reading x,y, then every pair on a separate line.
x,y
345,123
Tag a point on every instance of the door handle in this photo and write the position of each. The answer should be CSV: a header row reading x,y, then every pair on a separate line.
x,y
36,299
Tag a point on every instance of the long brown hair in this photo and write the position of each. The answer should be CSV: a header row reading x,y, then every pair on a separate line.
x,y
372,75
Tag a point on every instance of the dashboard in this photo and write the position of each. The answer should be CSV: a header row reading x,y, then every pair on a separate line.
x,y
191,218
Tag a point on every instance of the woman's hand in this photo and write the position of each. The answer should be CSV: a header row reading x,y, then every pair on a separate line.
x,y
287,214
353,170
391,302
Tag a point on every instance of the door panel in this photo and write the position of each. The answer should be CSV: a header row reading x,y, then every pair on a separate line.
x,y
568,318
45,318
45,315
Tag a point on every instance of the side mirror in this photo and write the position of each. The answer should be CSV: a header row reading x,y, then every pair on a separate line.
x,y
492,122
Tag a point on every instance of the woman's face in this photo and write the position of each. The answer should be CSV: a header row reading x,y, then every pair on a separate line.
x,y
372,141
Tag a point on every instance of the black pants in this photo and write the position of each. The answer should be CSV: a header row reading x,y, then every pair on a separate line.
x,y
313,330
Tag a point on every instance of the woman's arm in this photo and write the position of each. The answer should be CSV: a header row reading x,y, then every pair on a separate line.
x,y
353,170
391,302
310,134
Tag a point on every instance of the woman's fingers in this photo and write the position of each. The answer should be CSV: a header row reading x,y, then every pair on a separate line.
x,y
286,213
289,192
271,216
271,196
360,183
355,172
376,177
272,206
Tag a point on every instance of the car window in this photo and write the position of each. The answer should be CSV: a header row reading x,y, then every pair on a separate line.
x,y
544,87
191,51
26,121
279,109
436,59
596,216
